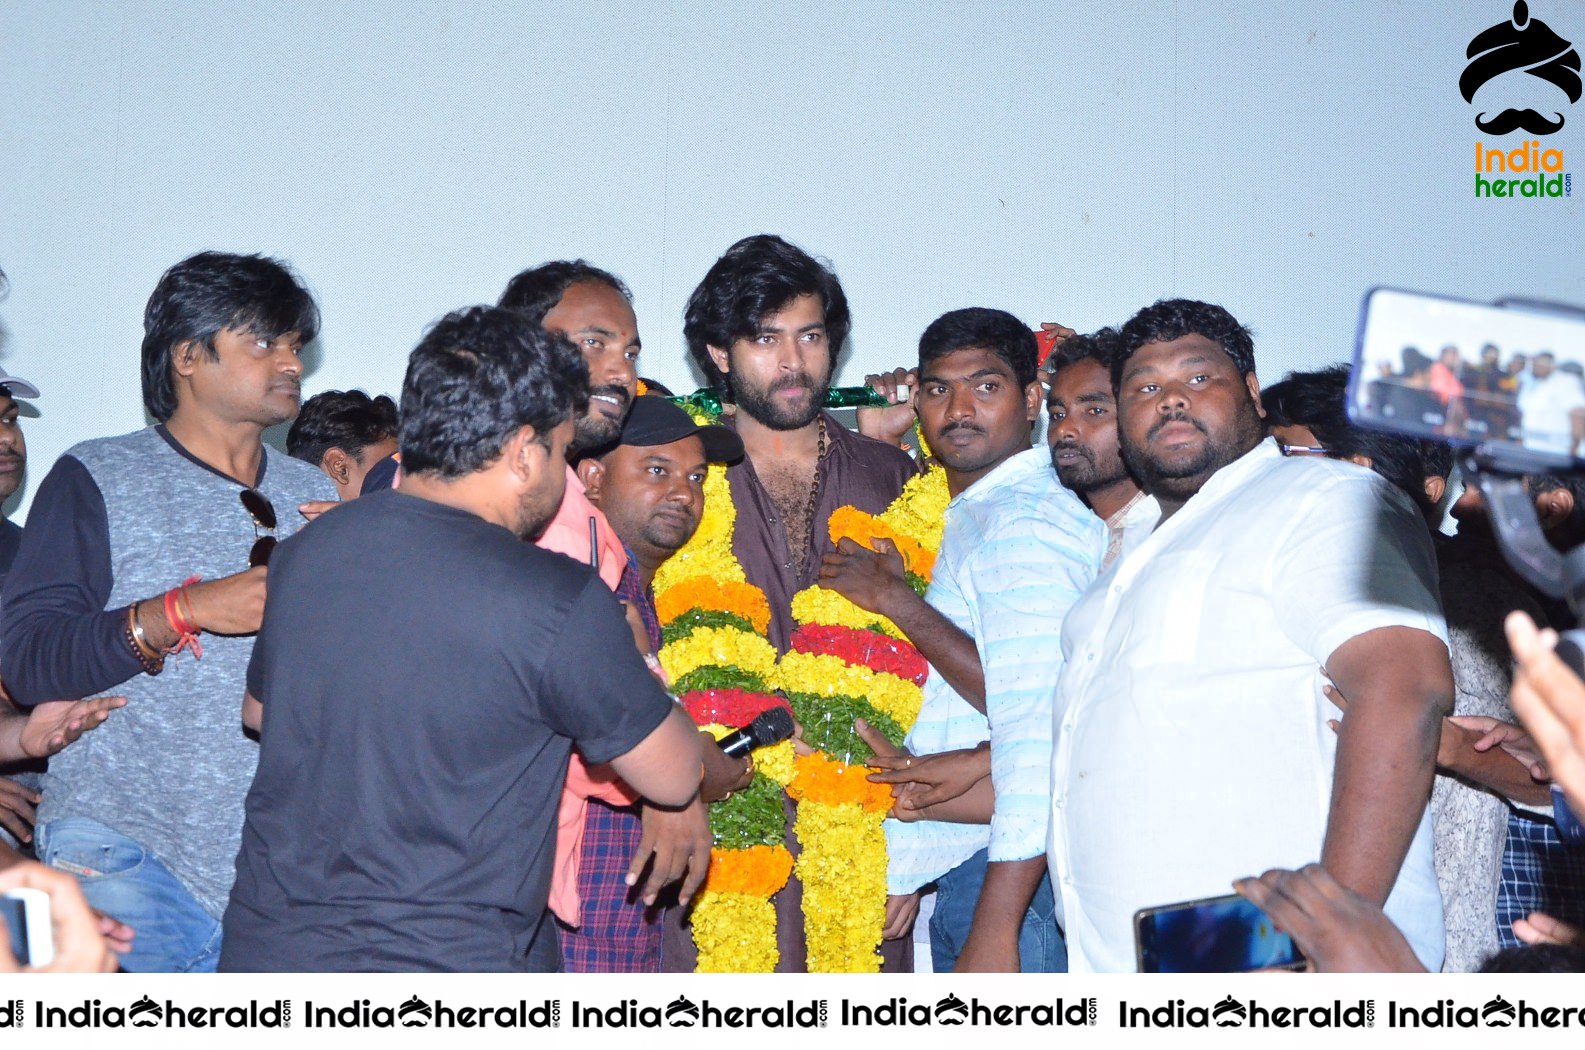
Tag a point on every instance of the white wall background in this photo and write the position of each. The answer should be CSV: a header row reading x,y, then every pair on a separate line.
x,y
1067,161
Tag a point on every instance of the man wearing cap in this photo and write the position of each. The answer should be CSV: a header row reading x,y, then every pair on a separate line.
x,y
650,487
50,726
13,463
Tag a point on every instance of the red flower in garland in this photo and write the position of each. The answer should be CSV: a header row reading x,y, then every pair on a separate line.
x,y
728,707
870,649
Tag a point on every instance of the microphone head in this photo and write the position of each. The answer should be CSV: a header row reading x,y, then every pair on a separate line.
x,y
771,727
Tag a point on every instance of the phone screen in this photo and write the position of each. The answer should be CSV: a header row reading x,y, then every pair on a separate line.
x,y
12,911
1219,935
1469,373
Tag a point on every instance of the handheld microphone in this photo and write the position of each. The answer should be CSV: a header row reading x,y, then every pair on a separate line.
x,y
771,727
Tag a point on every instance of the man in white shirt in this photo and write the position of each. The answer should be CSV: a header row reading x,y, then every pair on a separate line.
x,y
1017,551
1192,742
1552,407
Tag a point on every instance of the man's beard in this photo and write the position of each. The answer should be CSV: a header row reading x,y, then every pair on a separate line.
x,y
1181,480
1084,475
766,410
594,429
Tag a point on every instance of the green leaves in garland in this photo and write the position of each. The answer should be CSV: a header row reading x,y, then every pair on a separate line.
x,y
693,619
751,817
828,724
719,676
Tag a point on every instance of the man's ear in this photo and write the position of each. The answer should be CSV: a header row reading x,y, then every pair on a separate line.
x,y
722,359
1034,396
523,453
592,473
184,357
1254,393
1553,507
1435,489
1359,459
337,464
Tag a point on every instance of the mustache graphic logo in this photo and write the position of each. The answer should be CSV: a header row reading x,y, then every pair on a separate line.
x,y
1519,119
1521,44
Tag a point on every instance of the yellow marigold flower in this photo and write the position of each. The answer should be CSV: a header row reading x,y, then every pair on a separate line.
x,y
709,552
718,646
735,933
826,675
842,865
776,761
921,511
759,871
815,604
716,595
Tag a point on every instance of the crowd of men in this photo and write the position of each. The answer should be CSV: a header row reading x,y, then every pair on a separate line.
x,y
391,701
1533,398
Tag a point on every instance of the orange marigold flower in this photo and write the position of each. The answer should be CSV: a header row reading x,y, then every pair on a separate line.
x,y
864,529
817,778
758,871
703,592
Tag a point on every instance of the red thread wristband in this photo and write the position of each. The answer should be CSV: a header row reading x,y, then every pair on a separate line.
x,y
182,623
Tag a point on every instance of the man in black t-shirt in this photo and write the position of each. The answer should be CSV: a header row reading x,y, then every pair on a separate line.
x,y
402,817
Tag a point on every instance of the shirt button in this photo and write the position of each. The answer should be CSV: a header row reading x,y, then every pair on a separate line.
x,y
1057,802
1067,727
1089,656
771,521
1067,880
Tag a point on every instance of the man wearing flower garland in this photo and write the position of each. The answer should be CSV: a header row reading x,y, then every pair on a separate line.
x,y
1018,550
765,326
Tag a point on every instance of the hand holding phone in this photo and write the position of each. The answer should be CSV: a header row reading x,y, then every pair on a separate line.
x,y
54,917
27,918
1214,935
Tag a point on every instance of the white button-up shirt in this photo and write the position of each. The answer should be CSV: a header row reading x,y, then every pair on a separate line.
x,y
1192,742
1017,551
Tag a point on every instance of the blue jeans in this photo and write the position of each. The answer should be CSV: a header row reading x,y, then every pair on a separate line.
x,y
125,881
1041,948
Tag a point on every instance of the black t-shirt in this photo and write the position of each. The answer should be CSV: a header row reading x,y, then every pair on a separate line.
x,y
424,675
10,543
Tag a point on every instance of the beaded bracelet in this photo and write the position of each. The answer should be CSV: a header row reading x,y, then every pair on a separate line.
x,y
153,663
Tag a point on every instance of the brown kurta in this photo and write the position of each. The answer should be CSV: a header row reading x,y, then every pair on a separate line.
x,y
856,471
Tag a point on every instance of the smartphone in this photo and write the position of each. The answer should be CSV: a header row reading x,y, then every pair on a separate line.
x,y
27,918
1510,375
1215,935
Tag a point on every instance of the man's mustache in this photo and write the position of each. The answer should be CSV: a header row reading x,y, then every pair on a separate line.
x,y
1517,119
792,382
613,390
1176,417
962,424
1071,446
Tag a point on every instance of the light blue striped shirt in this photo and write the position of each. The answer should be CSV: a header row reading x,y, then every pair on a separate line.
x,y
1018,550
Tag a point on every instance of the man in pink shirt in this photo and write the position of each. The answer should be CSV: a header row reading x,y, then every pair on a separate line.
x,y
601,819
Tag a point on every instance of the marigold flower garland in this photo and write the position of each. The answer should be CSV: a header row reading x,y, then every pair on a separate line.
x,y
847,663
719,660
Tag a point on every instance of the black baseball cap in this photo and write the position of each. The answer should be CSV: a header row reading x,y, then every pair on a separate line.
x,y
655,420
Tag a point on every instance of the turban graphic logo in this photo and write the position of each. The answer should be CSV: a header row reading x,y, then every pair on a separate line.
x,y
1521,44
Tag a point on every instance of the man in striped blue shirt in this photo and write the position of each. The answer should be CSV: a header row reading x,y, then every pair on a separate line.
x,y
1018,551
